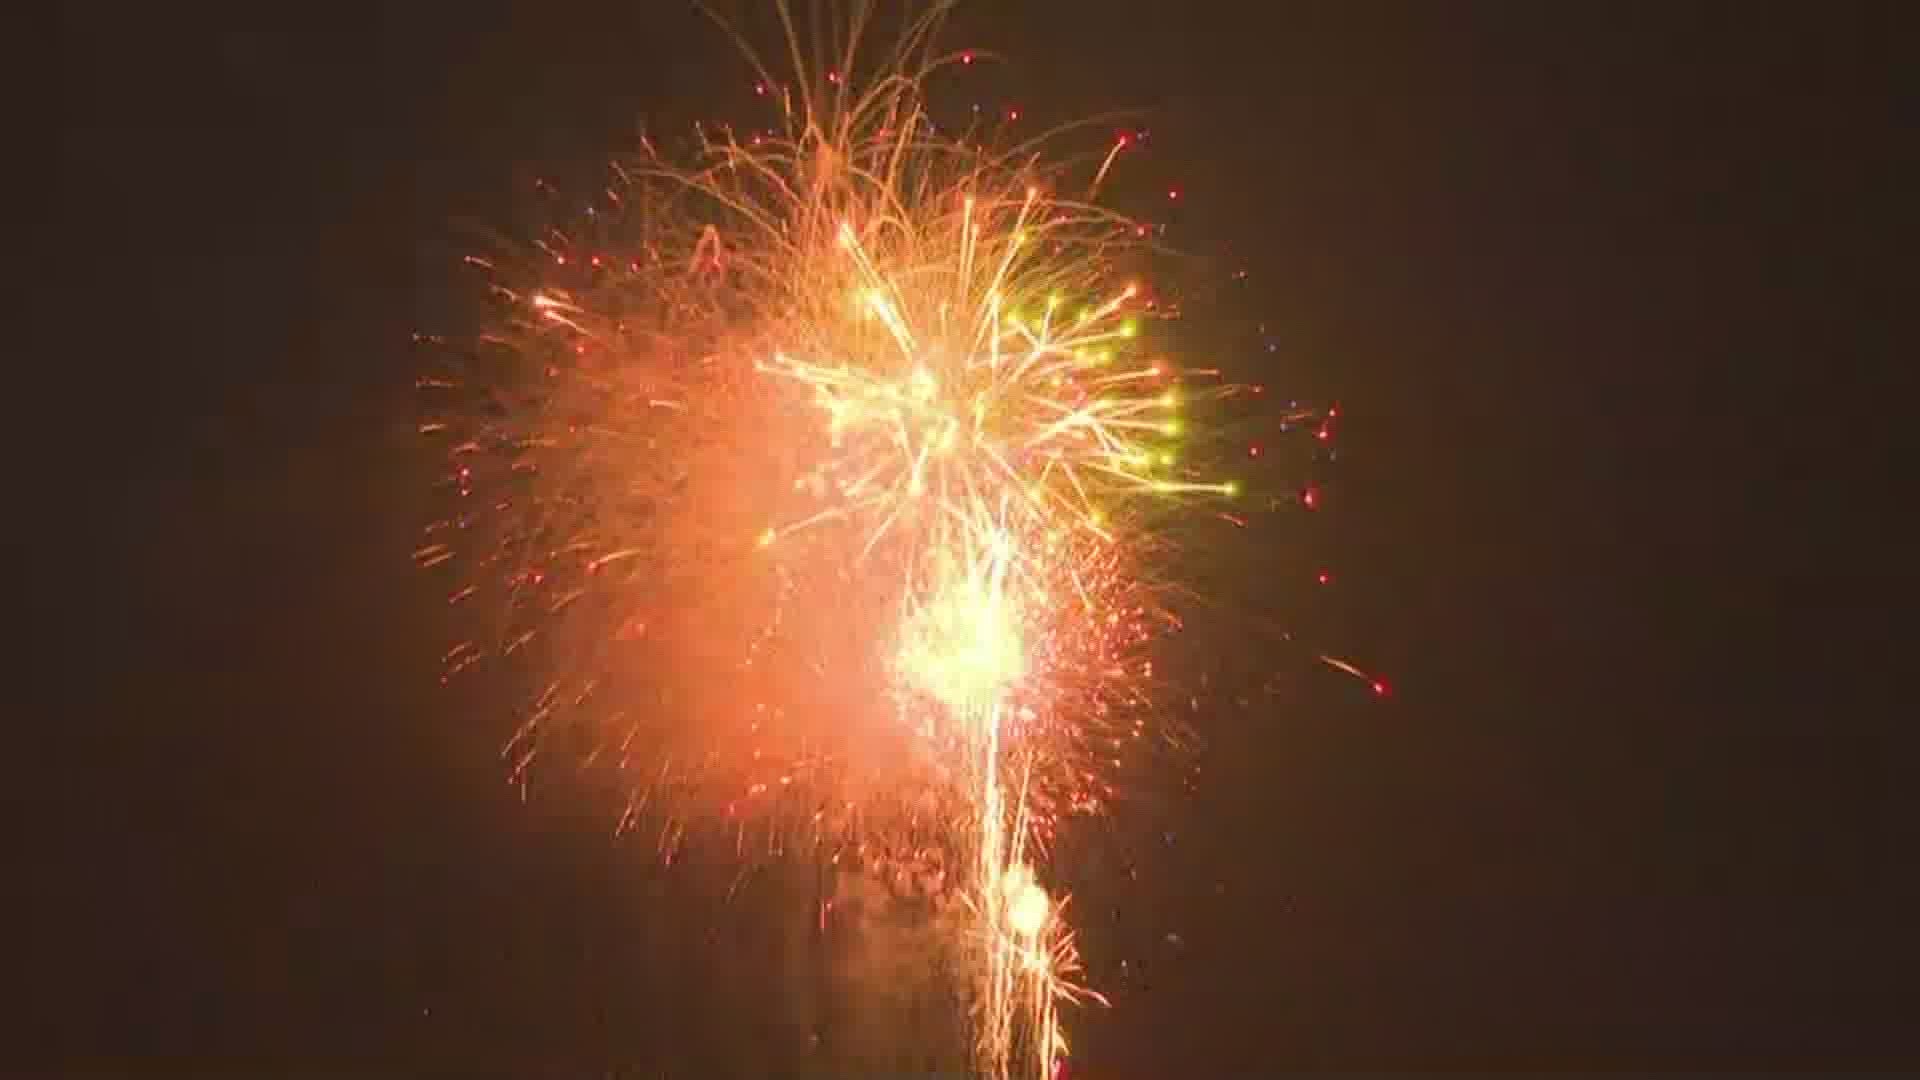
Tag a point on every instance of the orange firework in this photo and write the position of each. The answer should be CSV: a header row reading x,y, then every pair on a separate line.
x,y
823,479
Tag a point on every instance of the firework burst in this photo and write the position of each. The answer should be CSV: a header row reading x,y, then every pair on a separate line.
x,y
823,480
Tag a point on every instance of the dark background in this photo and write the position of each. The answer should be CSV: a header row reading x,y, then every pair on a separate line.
x,y
1604,290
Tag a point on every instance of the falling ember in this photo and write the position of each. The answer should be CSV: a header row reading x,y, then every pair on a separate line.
x,y
1027,903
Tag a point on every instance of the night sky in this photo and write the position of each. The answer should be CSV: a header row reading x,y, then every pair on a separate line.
x,y
1603,290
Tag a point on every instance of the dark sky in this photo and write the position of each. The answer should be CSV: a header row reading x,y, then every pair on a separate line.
x,y
1604,291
